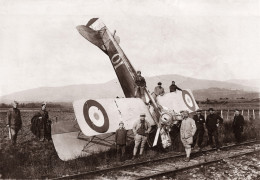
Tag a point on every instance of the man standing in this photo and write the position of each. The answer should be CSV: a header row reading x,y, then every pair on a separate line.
x,y
159,90
188,129
40,124
212,123
238,125
174,87
120,140
141,128
140,84
14,121
200,124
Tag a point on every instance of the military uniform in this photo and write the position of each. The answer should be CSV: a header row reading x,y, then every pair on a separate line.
x,y
173,88
15,122
200,121
120,139
140,84
141,129
188,129
211,124
158,90
238,124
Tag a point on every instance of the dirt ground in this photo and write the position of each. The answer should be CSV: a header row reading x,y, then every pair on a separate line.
x,y
246,167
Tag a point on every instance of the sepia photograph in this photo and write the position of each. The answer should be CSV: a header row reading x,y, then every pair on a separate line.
x,y
120,89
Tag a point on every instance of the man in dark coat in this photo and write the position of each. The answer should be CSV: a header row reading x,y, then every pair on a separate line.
x,y
14,121
41,125
120,140
212,123
140,84
200,124
174,87
238,125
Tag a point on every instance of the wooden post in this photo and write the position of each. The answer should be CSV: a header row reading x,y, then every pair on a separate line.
x,y
221,113
253,114
242,112
227,113
205,115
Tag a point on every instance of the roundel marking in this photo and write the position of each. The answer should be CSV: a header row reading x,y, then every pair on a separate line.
x,y
187,98
116,59
96,116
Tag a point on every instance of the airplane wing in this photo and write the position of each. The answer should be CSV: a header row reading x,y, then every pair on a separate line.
x,y
100,116
70,143
178,101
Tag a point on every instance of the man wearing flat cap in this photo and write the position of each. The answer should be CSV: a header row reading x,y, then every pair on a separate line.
x,y
40,124
212,123
238,125
159,90
141,129
200,124
188,129
14,121
173,87
120,140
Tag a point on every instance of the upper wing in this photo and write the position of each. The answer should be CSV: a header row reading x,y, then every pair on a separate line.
x,y
103,115
178,101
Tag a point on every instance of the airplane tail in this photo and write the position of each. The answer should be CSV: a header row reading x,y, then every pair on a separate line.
x,y
97,33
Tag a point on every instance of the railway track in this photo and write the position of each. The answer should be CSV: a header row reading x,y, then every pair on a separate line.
x,y
156,168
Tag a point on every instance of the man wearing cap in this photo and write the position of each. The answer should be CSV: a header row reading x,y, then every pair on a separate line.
x,y
174,87
40,124
200,124
212,123
120,140
140,129
140,84
14,121
188,129
238,125
159,90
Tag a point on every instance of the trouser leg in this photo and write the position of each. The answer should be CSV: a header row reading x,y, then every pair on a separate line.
x,y
210,142
144,139
200,138
117,152
188,150
137,143
136,91
215,134
123,152
238,136
195,139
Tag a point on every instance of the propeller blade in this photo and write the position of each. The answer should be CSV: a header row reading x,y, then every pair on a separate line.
x,y
156,137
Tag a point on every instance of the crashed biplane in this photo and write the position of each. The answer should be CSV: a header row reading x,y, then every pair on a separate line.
x,y
97,119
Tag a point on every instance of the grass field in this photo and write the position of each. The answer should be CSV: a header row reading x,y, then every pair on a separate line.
x,y
34,159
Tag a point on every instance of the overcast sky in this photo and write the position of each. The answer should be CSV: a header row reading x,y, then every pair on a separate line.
x,y
39,45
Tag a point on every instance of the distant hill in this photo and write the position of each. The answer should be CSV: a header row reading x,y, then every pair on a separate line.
x,y
201,88
218,93
246,82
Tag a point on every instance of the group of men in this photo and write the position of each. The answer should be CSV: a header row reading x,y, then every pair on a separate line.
x,y
40,123
191,132
140,85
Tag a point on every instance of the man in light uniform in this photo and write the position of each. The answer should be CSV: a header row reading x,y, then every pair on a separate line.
x,y
158,91
140,128
14,121
188,129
